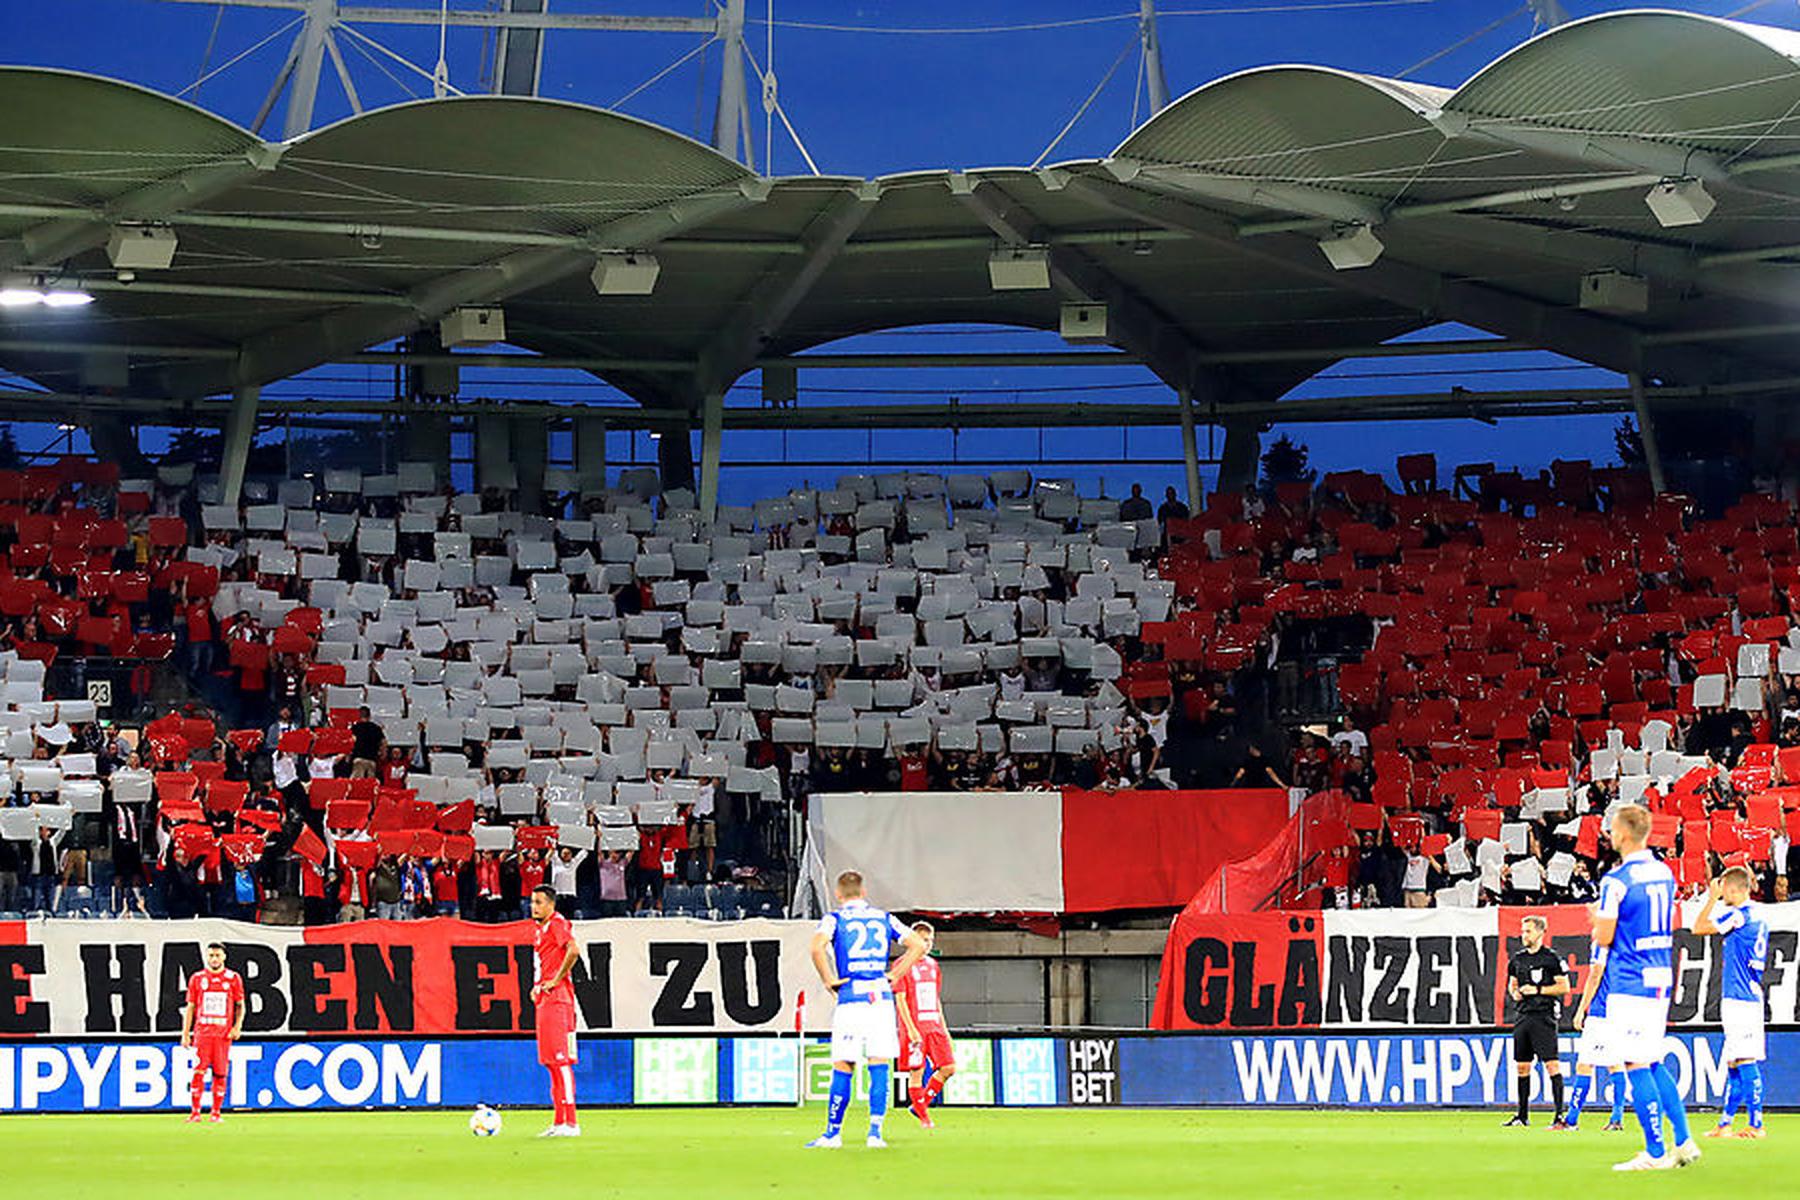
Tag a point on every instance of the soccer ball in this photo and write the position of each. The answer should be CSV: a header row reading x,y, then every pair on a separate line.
x,y
484,1121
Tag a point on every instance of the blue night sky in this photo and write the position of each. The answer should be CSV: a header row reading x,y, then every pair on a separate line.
x,y
875,101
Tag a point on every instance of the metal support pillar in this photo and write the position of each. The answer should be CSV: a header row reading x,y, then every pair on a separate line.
x,y
1243,454
1068,992
590,453
240,430
309,61
427,439
530,438
733,110
1152,52
712,428
519,53
675,458
493,454
1190,453
1647,434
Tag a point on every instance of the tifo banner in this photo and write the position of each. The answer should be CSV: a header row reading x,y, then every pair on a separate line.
x,y
1036,851
425,978
1155,849
1431,968
943,851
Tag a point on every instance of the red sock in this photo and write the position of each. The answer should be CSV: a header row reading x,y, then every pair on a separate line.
x,y
932,1087
219,1090
556,1095
195,1087
568,1089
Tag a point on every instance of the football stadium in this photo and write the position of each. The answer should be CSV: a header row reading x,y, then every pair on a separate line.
x,y
1005,600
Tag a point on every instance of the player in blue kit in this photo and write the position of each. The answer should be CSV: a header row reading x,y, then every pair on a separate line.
x,y
851,951
1635,923
1745,949
1594,1052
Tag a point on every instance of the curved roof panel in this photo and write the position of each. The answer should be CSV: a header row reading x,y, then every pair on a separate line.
x,y
73,138
1298,123
1700,81
489,162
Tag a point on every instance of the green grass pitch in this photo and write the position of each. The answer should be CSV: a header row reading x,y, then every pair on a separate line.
x,y
721,1153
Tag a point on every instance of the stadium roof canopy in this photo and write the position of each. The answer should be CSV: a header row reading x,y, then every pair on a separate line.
x,y
1201,234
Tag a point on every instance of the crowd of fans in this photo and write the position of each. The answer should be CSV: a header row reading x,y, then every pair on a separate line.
x,y
407,702
1542,653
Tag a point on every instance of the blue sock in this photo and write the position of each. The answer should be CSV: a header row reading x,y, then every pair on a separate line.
x,y
1734,1095
1646,1103
1578,1091
839,1102
1672,1106
1619,1090
879,1087
1753,1092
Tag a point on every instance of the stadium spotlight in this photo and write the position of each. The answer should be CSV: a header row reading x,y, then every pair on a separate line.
x,y
626,274
1020,269
472,327
1352,248
35,293
141,247
1614,292
1083,324
1677,202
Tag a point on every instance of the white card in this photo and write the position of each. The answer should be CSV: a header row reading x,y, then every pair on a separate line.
x,y
1561,870
1515,836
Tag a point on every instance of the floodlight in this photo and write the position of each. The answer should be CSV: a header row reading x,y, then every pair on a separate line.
x,y
1083,324
1677,202
141,247
626,274
1614,291
1352,248
1020,269
472,327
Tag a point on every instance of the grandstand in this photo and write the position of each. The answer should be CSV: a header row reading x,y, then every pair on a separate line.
x,y
476,655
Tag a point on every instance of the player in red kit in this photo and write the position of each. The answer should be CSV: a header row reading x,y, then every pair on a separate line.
x,y
212,1019
923,1037
554,996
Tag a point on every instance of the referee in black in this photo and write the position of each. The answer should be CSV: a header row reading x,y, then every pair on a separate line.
x,y
1536,980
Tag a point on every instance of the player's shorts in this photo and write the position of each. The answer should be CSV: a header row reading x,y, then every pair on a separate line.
x,y
865,1029
1595,1049
1743,1022
1639,1027
934,1048
212,1052
1534,1037
556,1034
